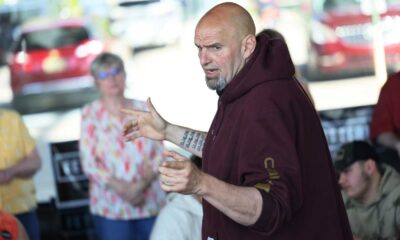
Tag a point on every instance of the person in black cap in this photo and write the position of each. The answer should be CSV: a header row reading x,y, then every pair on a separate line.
x,y
371,192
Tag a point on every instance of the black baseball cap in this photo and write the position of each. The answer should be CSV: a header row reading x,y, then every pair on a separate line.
x,y
352,152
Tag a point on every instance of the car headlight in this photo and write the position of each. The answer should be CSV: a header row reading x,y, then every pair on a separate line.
x,y
89,48
21,58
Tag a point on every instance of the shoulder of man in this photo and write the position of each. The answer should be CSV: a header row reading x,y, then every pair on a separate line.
x,y
392,191
392,81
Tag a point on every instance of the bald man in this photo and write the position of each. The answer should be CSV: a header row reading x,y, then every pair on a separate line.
x,y
267,171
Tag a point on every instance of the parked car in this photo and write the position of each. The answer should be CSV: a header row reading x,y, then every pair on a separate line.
x,y
341,37
49,65
147,23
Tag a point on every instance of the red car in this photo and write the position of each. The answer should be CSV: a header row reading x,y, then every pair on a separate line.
x,y
49,66
341,37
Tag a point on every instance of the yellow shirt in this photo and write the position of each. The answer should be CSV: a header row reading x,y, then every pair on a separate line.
x,y
17,196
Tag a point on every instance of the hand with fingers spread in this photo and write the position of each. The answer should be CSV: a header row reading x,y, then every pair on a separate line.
x,y
144,124
180,175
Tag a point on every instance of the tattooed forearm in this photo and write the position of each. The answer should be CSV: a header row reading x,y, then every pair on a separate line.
x,y
187,138
193,139
200,143
189,141
183,140
196,140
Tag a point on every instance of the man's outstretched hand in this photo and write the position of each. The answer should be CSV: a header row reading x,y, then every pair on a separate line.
x,y
144,124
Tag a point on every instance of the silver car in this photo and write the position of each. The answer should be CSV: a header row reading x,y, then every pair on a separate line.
x,y
147,23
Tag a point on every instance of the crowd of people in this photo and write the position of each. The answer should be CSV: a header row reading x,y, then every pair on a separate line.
x,y
262,171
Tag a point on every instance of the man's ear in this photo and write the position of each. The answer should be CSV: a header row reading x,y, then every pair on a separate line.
x,y
370,166
248,45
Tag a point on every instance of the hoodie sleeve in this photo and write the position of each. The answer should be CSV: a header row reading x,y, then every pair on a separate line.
x,y
270,162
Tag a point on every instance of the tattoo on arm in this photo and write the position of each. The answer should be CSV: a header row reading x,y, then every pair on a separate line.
x,y
189,141
200,143
183,140
196,140
192,139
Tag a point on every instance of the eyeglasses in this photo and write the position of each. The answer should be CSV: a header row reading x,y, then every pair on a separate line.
x,y
112,73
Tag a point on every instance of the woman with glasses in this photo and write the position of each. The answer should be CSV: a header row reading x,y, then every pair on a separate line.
x,y
125,196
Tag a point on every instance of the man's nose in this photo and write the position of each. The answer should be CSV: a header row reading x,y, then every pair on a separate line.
x,y
113,77
204,58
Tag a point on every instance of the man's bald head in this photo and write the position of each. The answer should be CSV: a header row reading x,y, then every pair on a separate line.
x,y
231,17
225,39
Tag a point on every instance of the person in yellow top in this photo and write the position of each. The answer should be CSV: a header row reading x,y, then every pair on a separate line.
x,y
19,161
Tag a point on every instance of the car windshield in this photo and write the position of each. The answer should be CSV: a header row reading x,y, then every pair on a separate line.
x,y
52,38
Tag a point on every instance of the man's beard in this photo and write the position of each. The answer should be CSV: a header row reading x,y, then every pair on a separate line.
x,y
218,85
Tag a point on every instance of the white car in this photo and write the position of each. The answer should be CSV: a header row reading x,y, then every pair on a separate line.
x,y
148,23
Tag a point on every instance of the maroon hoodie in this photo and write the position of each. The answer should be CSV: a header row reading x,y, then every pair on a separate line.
x,y
267,134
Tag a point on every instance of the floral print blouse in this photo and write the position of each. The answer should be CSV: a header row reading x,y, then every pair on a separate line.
x,y
103,151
